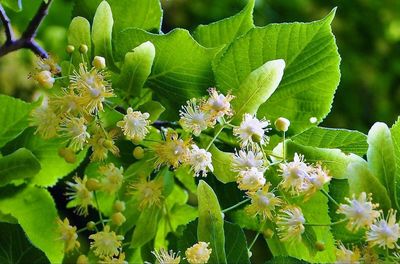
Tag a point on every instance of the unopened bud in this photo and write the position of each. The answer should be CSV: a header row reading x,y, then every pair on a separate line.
x,y
69,49
83,48
93,184
268,233
118,218
138,152
91,225
320,246
82,259
99,62
119,206
282,124
45,79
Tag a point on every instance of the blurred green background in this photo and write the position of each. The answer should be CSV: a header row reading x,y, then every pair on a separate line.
x,y
367,32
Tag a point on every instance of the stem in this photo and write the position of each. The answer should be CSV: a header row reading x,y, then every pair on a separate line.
x,y
255,238
236,205
85,228
331,224
168,218
283,147
215,137
7,25
330,197
98,208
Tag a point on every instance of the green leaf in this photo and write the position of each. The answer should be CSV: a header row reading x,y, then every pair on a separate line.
x,y
226,30
136,68
211,225
348,141
78,34
361,179
395,132
286,260
185,176
181,68
15,5
36,213
53,166
19,165
235,246
102,33
146,15
154,108
257,88
15,248
333,159
311,73
381,158
13,118
146,226
220,160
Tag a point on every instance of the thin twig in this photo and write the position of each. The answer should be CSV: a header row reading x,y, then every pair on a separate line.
x,y
26,41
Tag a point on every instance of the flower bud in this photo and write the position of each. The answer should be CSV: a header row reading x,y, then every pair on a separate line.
x,y
320,246
82,259
118,218
93,184
99,62
91,225
268,233
119,206
45,79
138,153
83,48
69,49
282,124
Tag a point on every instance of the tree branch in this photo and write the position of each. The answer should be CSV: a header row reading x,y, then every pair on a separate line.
x,y
26,41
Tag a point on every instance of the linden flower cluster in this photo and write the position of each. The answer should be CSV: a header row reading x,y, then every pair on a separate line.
x,y
199,253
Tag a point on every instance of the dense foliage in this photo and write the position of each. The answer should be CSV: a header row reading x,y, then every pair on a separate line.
x,y
130,154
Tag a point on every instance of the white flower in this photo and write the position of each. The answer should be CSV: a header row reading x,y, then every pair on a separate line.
x,y
290,224
385,232
198,253
243,160
193,119
45,79
347,256
294,174
200,161
46,121
251,180
315,181
217,104
360,212
135,124
75,128
252,130
166,257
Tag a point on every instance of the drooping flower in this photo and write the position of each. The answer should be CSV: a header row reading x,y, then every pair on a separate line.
x,y
245,160
48,64
80,195
193,119
172,152
200,161
360,212
135,125
294,174
199,253
290,224
252,130
315,181
385,232
106,243
46,121
102,142
45,79
113,178
166,257
218,104
263,202
75,129
149,193
347,256
250,180
68,235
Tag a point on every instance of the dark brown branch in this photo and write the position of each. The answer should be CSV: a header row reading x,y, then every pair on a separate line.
x,y
27,39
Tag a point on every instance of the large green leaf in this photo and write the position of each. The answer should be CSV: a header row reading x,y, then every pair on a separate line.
x,y
311,74
102,33
221,160
395,132
235,246
381,158
13,118
225,31
361,179
53,166
211,225
78,34
135,70
144,14
257,88
348,141
146,226
36,212
181,68
21,164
